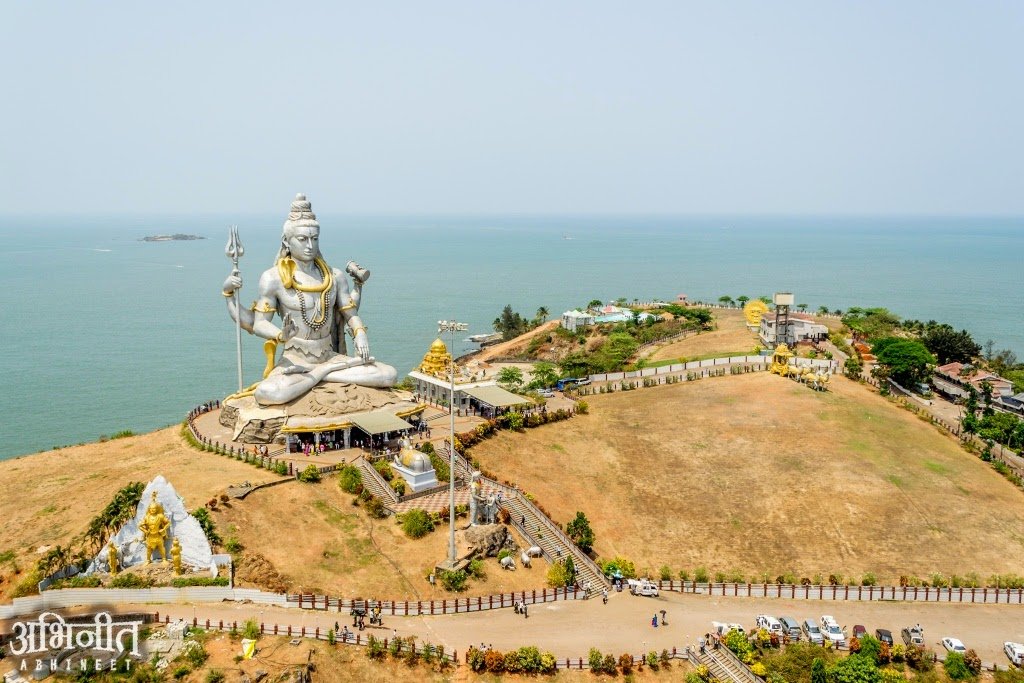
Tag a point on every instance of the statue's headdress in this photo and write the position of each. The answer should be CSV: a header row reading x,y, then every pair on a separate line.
x,y
300,216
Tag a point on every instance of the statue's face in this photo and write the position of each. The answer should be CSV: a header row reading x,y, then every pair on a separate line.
x,y
304,243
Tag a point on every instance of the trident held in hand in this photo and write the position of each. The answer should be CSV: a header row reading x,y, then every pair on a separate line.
x,y
235,251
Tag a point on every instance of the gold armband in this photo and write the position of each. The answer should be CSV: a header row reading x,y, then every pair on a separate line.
x,y
262,307
280,337
227,294
356,330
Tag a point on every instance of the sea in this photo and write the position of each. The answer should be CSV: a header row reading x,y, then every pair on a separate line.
x,y
103,332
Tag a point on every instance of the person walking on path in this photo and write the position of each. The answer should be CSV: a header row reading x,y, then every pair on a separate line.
x,y
526,614
654,621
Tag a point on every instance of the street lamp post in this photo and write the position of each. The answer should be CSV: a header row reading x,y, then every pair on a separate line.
x,y
453,327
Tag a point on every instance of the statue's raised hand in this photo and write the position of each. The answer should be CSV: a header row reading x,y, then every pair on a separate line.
x,y
362,345
232,284
288,327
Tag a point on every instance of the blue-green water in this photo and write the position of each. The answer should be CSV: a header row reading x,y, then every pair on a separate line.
x,y
103,332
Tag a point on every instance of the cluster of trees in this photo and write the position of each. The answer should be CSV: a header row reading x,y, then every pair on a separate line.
x,y
871,323
511,324
906,361
995,427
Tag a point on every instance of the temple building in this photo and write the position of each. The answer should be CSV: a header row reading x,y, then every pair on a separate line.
x,y
476,389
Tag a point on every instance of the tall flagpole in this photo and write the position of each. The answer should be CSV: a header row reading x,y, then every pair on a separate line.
x,y
235,251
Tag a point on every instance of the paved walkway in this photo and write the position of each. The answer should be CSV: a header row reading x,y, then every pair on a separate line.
x,y
571,628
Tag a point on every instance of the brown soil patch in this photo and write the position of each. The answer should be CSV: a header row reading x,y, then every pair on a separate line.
x,y
253,569
514,347
314,536
757,474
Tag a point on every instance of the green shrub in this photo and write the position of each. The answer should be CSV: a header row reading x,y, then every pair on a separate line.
x,y
700,575
595,660
476,568
384,470
956,667
251,630
475,659
454,581
398,485
310,475
416,523
90,581
281,468
125,580
202,516
233,545
182,671
375,508
350,479
580,532
185,581
503,553
558,575
214,676
868,580
375,647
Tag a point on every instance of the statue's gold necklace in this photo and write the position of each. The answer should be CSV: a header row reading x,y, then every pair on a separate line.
x,y
286,269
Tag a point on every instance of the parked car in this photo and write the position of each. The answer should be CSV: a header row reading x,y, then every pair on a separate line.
x,y
1015,651
830,629
812,632
721,627
791,628
545,393
859,631
912,636
770,624
643,587
953,645
885,635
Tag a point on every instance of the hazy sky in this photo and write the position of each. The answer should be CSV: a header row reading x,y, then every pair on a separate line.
x,y
734,107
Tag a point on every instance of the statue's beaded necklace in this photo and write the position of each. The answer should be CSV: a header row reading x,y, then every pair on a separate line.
x,y
286,268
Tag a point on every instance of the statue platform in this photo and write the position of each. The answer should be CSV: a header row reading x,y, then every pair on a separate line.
x,y
328,406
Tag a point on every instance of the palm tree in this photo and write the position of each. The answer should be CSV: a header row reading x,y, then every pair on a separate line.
x,y
802,307
725,300
542,314
743,300
822,310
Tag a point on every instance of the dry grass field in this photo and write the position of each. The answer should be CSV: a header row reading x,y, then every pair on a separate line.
x,y
731,336
754,473
321,543
50,497
311,534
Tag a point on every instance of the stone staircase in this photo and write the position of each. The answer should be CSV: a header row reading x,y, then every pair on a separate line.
x,y
723,664
375,484
536,528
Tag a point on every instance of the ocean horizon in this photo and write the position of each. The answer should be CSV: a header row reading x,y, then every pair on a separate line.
x,y
109,333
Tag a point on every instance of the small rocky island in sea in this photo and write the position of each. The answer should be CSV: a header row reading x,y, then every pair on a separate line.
x,y
171,238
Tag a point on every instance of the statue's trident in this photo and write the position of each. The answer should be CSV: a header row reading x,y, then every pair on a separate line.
x,y
235,251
